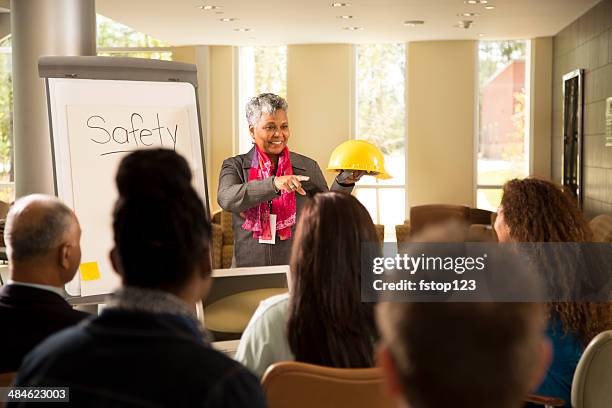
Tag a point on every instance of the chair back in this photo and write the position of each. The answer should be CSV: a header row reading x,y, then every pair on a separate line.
x,y
402,232
6,379
480,216
380,232
301,385
222,239
602,228
593,376
424,215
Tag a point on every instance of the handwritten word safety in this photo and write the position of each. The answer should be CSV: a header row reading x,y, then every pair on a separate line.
x,y
135,134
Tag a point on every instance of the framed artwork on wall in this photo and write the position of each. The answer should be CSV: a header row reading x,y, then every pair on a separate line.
x,y
573,119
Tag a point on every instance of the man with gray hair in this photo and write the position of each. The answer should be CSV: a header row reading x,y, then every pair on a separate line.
x,y
42,237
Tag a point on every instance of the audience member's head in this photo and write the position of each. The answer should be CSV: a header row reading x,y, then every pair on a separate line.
x,y
162,233
42,238
535,210
328,323
462,355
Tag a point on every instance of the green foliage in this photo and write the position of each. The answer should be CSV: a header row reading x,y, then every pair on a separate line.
x,y
113,34
514,149
380,103
271,70
494,55
110,34
6,118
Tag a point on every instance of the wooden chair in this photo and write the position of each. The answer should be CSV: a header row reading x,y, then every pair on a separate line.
x,y
480,216
402,232
592,379
222,239
380,232
424,215
300,385
6,379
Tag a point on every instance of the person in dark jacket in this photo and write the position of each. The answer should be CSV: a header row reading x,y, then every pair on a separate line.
x,y
146,348
42,237
267,187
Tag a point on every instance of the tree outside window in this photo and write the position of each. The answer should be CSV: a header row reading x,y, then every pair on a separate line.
x,y
117,40
502,139
261,69
110,34
381,120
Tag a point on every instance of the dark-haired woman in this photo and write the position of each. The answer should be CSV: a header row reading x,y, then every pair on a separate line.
x,y
147,348
322,321
534,210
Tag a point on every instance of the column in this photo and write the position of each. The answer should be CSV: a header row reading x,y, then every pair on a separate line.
x,y
49,27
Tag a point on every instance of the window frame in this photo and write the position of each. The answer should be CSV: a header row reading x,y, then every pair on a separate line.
x,y
528,137
242,89
376,185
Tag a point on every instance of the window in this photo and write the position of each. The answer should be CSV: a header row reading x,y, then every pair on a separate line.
x,y
114,39
503,151
260,69
117,40
381,119
7,171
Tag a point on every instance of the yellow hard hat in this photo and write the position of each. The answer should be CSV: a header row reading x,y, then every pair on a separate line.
x,y
358,155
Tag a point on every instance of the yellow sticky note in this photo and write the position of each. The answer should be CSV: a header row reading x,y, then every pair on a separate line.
x,y
90,271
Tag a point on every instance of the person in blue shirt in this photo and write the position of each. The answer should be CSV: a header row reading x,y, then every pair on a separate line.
x,y
535,210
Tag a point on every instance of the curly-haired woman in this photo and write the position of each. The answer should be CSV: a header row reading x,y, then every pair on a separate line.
x,y
535,210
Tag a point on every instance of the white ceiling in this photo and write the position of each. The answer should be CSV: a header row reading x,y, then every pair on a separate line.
x,y
181,22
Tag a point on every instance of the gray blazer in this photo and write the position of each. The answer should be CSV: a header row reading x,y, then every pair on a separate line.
x,y
237,195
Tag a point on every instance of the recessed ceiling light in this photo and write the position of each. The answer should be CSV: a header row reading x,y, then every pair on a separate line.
x,y
243,30
340,4
345,17
227,19
209,7
413,23
489,7
463,24
481,34
476,1
352,28
468,14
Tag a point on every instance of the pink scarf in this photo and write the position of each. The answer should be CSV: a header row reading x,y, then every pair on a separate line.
x,y
258,218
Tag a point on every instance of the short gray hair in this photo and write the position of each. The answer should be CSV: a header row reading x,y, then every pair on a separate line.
x,y
29,237
265,102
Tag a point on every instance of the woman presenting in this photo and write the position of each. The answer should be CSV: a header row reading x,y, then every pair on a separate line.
x,y
266,188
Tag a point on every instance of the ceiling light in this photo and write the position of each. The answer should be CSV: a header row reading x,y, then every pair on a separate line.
x,y
463,24
476,1
227,19
481,34
345,17
243,30
209,7
468,14
340,4
489,7
413,23
352,28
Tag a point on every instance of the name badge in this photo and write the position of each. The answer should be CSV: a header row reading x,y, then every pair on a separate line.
x,y
272,231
